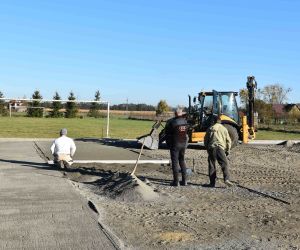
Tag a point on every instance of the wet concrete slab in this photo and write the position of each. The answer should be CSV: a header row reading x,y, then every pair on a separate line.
x,y
39,208
97,150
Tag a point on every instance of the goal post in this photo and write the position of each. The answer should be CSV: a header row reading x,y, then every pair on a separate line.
x,y
28,100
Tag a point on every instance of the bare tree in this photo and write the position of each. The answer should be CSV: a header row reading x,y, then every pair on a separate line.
x,y
275,93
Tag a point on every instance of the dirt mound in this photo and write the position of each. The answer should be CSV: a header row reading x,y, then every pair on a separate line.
x,y
79,177
291,146
295,147
123,186
288,143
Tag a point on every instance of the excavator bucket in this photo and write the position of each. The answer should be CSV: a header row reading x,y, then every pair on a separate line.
x,y
151,140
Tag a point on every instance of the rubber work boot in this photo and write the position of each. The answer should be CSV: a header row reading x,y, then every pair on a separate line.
x,y
184,180
175,182
209,185
228,183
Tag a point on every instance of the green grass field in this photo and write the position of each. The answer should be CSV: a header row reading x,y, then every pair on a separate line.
x,y
277,132
25,127
270,135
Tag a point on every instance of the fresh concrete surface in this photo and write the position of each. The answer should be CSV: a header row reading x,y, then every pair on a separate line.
x,y
95,150
39,209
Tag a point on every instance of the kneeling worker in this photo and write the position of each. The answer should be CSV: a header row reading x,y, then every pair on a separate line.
x,y
218,143
63,149
177,138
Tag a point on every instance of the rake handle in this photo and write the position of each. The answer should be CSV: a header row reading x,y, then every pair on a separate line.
x,y
137,161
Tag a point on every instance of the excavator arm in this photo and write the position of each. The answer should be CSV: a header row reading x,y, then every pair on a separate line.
x,y
251,86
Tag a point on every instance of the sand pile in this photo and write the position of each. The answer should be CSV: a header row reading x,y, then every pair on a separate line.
x,y
123,186
288,143
295,147
291,146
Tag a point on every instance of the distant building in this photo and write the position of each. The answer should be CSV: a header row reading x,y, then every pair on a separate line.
x,y
284,112
278,110
17,106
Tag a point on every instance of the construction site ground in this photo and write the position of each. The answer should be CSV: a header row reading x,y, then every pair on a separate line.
x,y
261,212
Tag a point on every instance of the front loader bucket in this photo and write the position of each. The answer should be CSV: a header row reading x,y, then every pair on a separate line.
x,y
151,140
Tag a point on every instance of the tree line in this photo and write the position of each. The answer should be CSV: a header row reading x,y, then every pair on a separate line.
x,y
265,99
133,107
36,107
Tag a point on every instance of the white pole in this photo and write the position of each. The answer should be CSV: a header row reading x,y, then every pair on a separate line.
x,y
10,110
107,122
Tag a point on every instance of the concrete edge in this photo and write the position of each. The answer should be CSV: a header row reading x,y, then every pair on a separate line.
x,y
119,161
254,142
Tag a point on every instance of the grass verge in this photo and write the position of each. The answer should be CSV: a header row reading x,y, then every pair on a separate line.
x,y
25,127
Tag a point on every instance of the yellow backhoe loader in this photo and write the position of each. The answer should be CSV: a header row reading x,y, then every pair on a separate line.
x,y
201,111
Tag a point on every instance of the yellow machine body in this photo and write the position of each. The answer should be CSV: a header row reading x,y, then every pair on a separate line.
x,y
199,136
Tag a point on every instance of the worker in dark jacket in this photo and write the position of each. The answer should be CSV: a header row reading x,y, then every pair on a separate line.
x,y
177,139
218,143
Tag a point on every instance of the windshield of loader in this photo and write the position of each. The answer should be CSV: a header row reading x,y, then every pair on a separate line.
x,y
207,104
229,106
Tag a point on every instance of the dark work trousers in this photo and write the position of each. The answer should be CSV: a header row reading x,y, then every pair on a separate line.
x,y
217,154
177,157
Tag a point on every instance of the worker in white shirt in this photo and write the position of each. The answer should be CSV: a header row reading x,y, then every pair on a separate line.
x,y
63,149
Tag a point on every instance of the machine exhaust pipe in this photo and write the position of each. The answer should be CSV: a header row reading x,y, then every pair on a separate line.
x,y
190,104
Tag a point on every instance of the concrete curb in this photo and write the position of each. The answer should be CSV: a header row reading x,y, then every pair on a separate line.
x,y
272,142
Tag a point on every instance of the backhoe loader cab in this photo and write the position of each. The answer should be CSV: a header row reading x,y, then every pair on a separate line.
x,y
209,104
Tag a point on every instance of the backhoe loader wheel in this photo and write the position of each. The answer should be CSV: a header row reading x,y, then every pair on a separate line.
x,y
233,133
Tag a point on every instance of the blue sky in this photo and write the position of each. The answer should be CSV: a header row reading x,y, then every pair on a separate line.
x,y
147,50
